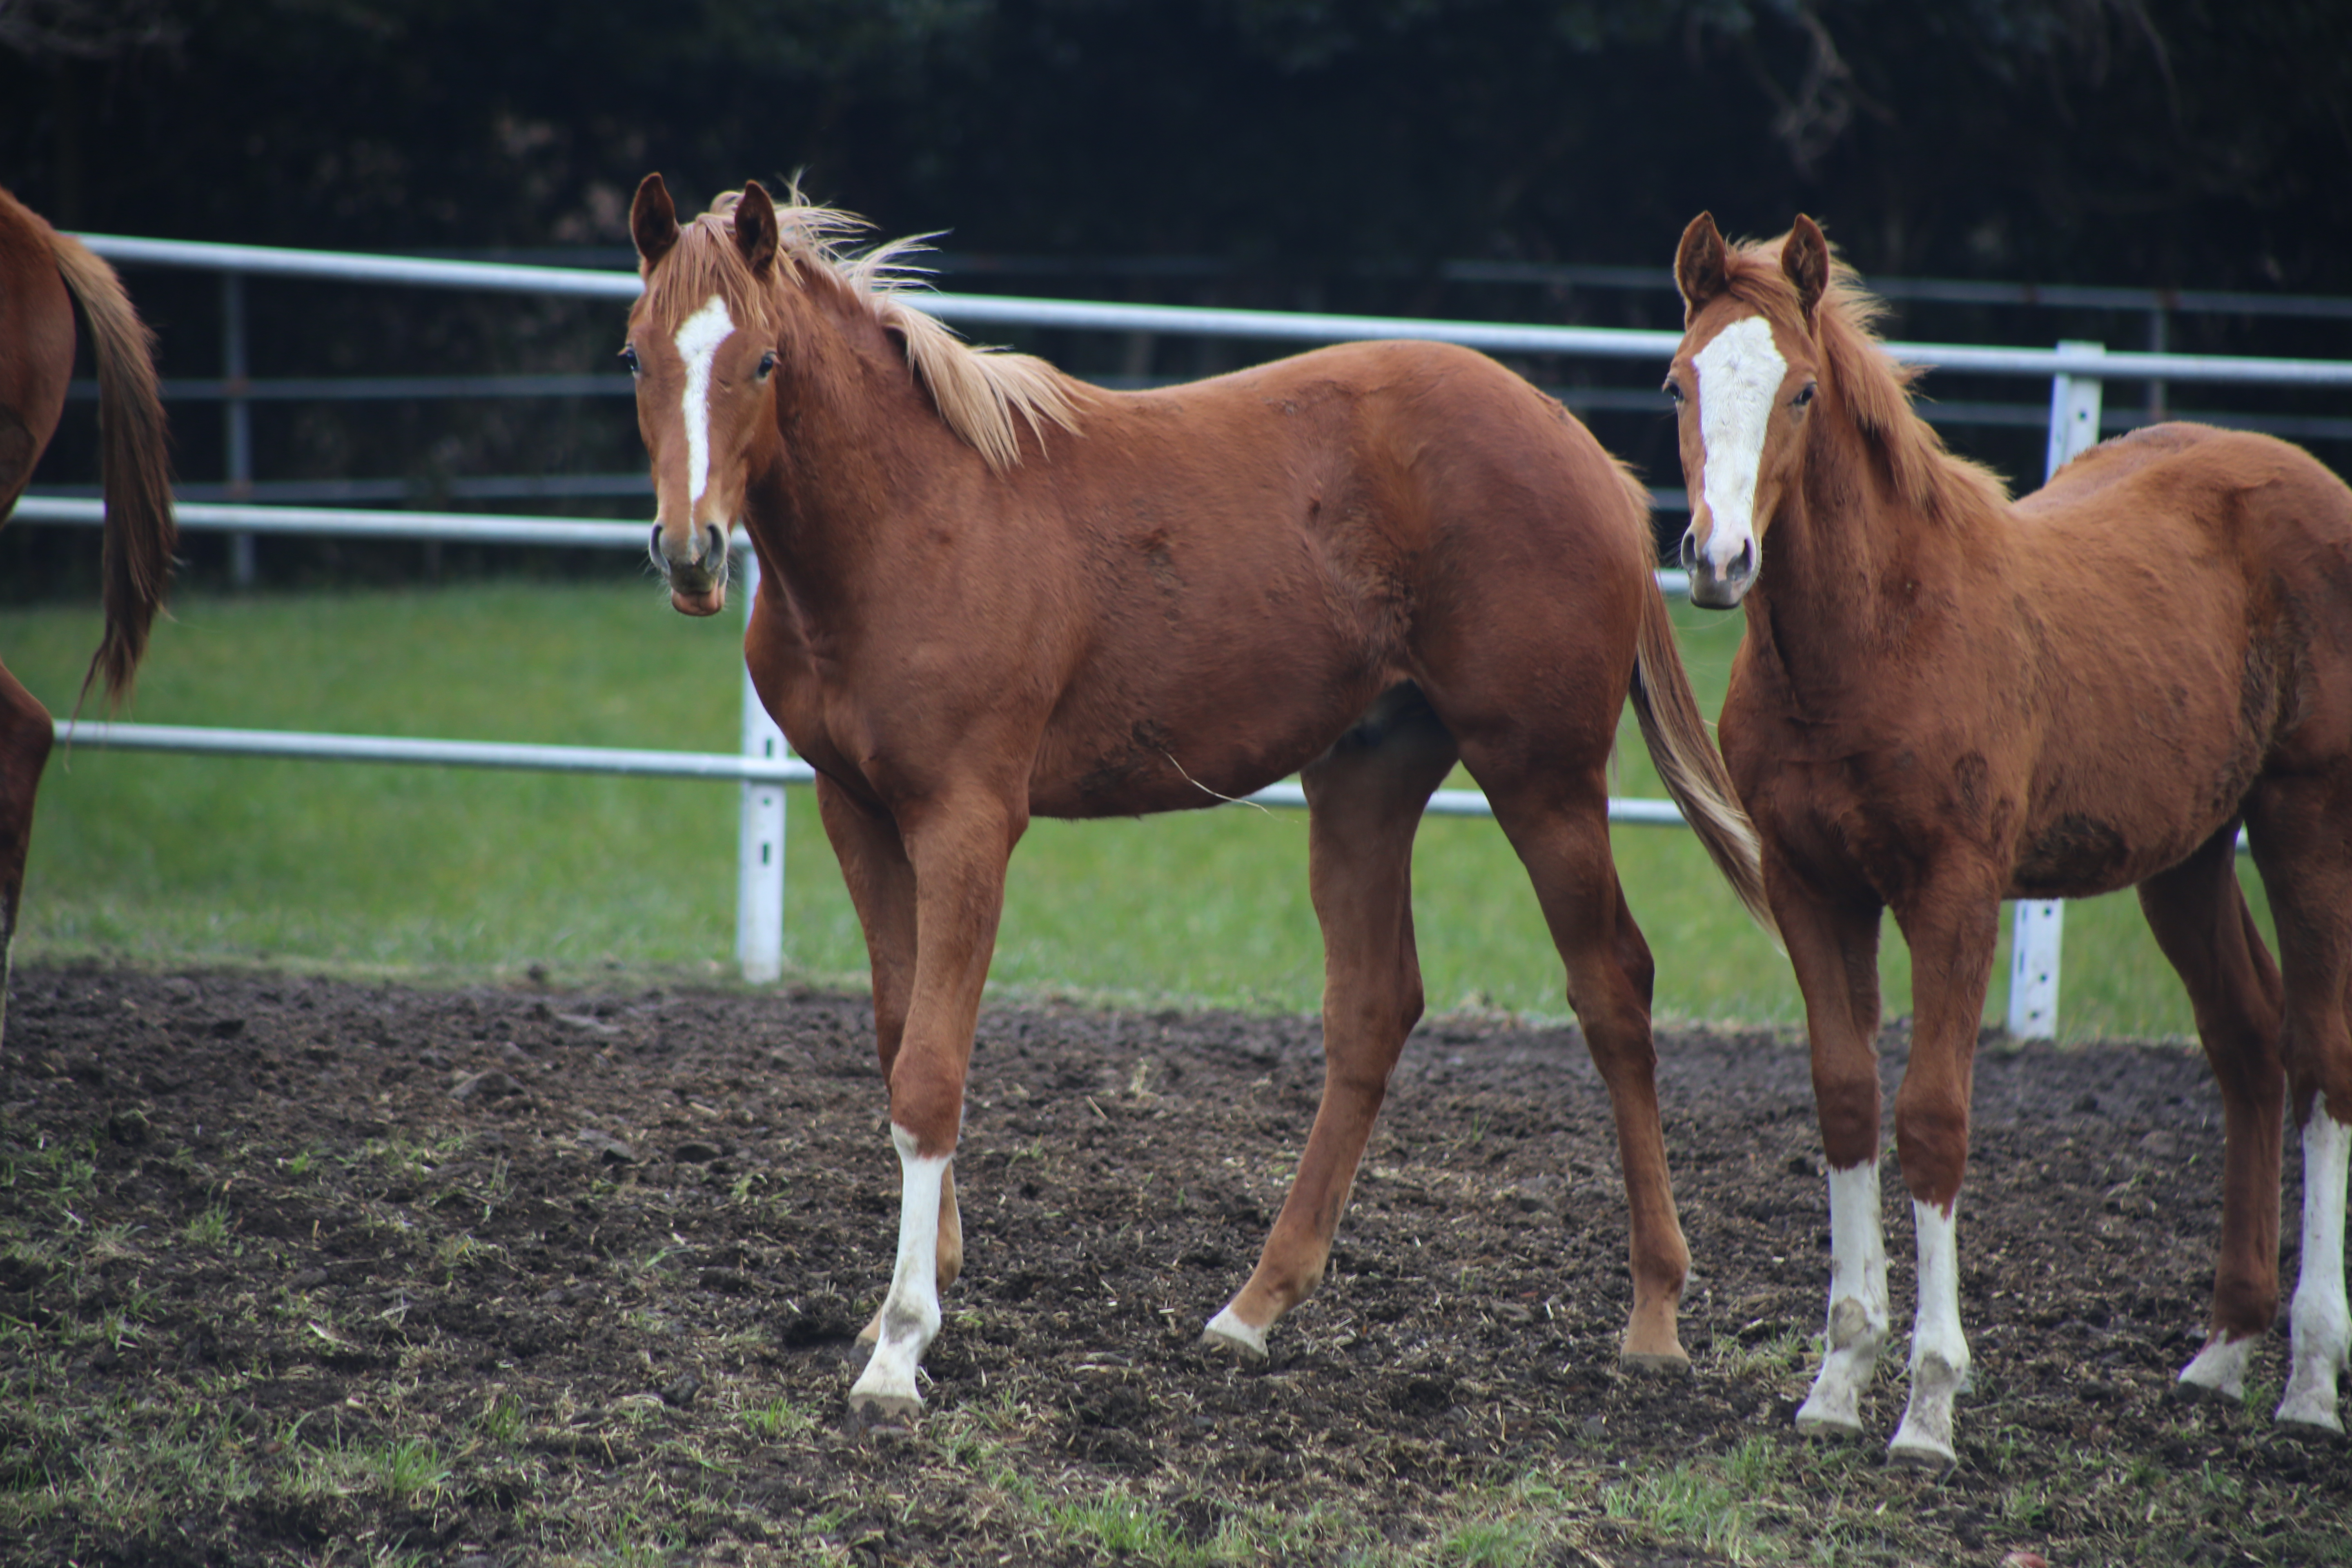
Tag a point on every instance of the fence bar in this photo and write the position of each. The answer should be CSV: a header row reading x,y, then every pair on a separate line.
x,y
989,310
234,377
759,840
2038,934
288,746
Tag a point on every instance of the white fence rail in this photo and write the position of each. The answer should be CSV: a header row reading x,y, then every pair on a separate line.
x,y
2076,370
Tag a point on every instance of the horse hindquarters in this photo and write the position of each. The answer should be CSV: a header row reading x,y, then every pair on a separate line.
x,y
26,736
1365,797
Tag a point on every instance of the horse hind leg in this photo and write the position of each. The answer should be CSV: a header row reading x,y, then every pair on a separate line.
x,y
26,736
2201,925
1556,817
1365,797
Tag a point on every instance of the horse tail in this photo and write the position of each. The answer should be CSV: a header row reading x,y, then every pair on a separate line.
x,y
1687,762
135,465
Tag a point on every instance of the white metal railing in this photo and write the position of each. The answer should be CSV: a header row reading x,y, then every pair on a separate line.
x,y
2077,371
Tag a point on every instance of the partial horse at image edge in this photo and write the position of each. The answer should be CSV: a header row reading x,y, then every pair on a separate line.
x,y
989,591
1944,699
43,275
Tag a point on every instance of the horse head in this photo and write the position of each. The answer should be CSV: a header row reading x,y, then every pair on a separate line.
x,y
701,345
1742,382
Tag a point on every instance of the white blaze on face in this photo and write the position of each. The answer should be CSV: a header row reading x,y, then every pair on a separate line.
x,y
698,344
1739,376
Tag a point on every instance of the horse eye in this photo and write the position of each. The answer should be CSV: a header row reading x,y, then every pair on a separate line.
x,y
629,357
1674,391
1803,396
767,364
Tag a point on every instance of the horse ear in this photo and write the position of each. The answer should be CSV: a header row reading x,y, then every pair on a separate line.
x,y
1806,260
755,227
652,221
1702,268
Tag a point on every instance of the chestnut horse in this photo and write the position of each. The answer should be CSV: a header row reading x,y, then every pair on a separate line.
x,y
989,591
42,275
1945,699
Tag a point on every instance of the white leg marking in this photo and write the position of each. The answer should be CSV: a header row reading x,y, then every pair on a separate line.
x,y
1739,376
2322,1324
2220,1368
697,343
1858,1309
1228,1330
910,1313
1940,1350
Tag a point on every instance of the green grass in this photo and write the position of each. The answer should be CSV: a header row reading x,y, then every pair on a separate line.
x,y
414,870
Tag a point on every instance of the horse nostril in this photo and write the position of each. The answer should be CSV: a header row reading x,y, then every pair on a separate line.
x,y
717,550
1744,567
1690,549
655,546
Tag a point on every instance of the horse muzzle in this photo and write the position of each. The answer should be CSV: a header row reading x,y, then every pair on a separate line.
x,y
697,582
1717,590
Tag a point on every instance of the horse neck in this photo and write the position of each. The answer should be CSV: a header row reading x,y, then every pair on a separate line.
x,y
856,452
1850,560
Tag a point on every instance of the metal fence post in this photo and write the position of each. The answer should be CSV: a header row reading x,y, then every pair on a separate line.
x,y
2040,929
235,375
759,866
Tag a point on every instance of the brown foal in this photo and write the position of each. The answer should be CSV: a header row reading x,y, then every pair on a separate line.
x,y
1945,699
989,591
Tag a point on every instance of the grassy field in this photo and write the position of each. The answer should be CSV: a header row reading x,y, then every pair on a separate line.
x,y
419,872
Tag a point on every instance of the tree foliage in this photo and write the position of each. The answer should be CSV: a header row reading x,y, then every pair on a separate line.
x,y
2159,142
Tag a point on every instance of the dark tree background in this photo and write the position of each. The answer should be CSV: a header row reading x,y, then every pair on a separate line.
x,y
1278,153
2186,142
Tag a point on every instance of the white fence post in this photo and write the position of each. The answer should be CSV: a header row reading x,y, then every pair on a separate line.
x,y
760,868
2039,929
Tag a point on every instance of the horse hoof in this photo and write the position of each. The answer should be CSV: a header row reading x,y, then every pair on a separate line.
x,y
1228,1333
875,1416
1829,1428
1654,1363
1928,1458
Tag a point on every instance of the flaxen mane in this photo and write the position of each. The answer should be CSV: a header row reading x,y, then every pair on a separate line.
x,y
1872,384
983,394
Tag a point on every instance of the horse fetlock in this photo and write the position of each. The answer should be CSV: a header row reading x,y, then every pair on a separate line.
x,y
1854,1327
2219,1371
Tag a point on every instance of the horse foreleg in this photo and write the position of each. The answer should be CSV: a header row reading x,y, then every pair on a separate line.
x,y
2203,925
1366,797
1952,937
2322,1343
2297,827
1833,949
881,885
957,850
26,736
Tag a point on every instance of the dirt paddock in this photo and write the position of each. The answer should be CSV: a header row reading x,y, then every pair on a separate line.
x,y
599,1258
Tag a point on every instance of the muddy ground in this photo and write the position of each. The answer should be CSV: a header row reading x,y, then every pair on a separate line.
x,y
593,1263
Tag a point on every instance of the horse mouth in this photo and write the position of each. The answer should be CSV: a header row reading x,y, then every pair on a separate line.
x,y
708,602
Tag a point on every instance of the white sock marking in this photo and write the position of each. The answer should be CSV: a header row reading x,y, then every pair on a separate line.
x,y
697,343
910,1312
1858,1312
2322,1324
1739,376
1939,1350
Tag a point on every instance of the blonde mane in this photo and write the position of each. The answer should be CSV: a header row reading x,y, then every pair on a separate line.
x,y
983,394
1872,384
